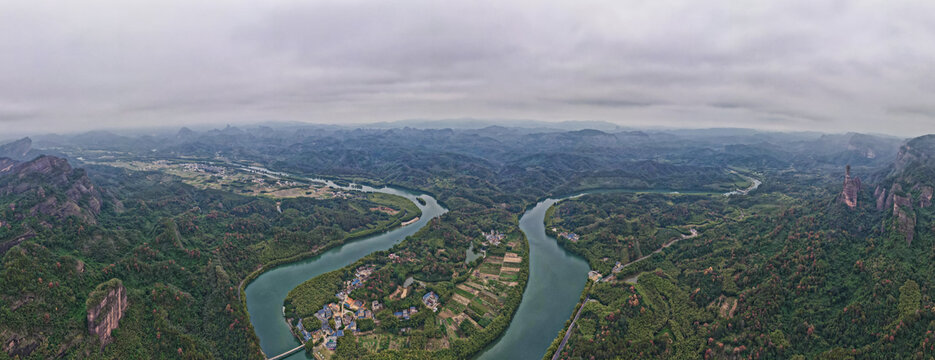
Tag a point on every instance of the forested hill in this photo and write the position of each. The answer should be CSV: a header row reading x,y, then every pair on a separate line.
x,y
501,164
790,271
147,264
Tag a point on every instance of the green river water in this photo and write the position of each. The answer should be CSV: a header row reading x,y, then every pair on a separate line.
x,y
556,280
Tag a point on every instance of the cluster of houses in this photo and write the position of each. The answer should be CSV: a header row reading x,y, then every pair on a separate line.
x,y
494,237
430,300
406,313
399,259
594,276
569,235
344,313
204,168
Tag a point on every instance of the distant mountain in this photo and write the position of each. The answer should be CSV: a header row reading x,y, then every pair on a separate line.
x,y
17,150
468,123
48,185
185,134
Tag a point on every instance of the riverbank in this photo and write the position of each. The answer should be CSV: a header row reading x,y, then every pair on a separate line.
x,y
263,291
627,271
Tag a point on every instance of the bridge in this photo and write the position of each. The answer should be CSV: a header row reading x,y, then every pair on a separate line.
x,y
287,353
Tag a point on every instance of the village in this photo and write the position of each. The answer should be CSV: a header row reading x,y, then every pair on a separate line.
x,y
342,316
210,175
474,303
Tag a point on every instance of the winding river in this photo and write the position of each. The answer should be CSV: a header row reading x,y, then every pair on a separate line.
x,y
266,293
556,280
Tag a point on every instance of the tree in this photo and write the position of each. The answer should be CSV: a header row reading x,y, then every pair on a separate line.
x,y
349,348
467,328
365,324
909,298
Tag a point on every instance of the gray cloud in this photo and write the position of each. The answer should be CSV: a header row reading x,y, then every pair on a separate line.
x,y
829,66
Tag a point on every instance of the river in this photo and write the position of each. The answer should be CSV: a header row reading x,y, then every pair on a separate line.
x,y
266,293
556,280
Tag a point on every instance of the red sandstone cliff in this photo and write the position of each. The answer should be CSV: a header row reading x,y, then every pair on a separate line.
x,y
82,199
106,306
851,188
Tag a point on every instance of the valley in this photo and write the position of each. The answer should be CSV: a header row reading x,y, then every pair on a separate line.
x,y
462,255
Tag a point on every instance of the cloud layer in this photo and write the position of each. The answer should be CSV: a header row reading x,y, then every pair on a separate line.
x,y
803,65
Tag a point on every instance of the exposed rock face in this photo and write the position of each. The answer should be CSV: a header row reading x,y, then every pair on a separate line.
x,y
925,197
6,164
880,195
905,217
17,150
17,345
106,306
896,188
851,188
49,170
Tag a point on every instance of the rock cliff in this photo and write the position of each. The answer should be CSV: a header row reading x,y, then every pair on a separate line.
x,y
905,217
106,306
851,189
46,177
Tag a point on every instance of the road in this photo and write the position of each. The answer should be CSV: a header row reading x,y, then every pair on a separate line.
x,y
570,328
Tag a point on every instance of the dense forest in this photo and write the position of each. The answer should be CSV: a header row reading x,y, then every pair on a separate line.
x,y
178,254
802,274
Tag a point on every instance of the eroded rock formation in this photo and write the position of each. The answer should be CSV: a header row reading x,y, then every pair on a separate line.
x,y
905,216
880,195
106,306
851,188
82,199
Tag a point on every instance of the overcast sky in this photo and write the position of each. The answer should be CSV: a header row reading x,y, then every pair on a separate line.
x,y
806,65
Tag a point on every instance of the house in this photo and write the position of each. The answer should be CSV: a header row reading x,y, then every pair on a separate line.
x,y
335,308
494,237
412,310
352,304
324,314
430,300
376,306
331,342
594,275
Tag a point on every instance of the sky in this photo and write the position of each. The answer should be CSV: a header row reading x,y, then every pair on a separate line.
x,y
833,66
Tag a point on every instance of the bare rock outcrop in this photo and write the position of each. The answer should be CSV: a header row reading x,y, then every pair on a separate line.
x,y
905,216
82,199
106,306
880,195
925,196
851,189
